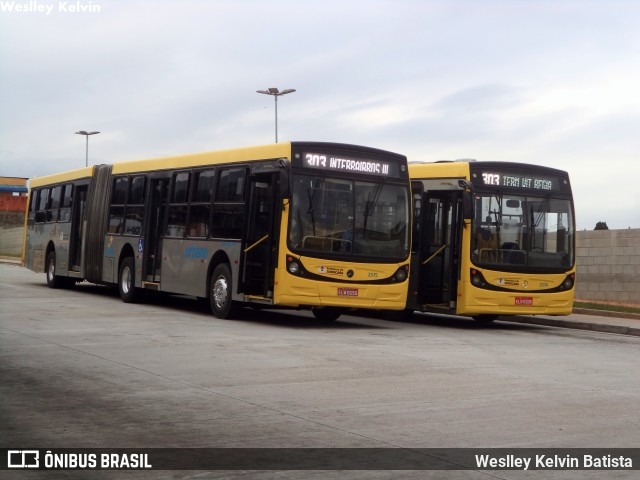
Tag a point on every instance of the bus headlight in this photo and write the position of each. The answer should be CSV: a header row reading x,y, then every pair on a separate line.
x,y
476,278
294,268
401,274
569,281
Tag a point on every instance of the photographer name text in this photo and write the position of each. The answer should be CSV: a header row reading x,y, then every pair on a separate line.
x,y
48,8
540,462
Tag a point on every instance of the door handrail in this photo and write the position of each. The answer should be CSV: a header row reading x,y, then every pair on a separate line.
x,y
256,244
436,253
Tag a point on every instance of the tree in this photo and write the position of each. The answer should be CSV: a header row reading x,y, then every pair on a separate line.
x,y
601,226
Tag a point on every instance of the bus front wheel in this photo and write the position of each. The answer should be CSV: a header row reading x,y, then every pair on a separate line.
x,y
127,281
326,314
220,292
485,318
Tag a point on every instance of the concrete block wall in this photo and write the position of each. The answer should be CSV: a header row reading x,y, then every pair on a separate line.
x,y
11,239
12,211
608,266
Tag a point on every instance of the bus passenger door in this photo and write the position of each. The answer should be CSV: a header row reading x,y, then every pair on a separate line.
x,y
153,231
77,227
259,244
439,256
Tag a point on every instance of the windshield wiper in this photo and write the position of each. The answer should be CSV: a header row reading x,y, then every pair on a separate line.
x,y
542,209
312,196
371,204
498,215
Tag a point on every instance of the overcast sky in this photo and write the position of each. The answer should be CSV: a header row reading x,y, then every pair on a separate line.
x,y
555,83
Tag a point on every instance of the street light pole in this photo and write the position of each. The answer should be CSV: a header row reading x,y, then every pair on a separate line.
x,y
86,134
276,93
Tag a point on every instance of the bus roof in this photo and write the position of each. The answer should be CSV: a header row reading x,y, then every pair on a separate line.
x,y
462,168
273,150
84,172
246,154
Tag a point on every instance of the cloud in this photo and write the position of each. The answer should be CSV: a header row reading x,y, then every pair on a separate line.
x,y
552,83
480,99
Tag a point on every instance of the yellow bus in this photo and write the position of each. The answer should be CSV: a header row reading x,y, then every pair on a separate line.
x,y
491,238
308,225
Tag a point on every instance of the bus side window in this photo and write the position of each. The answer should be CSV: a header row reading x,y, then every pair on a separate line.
x,y
118,201
177,217
33,206
65,205
135,206
43,201
54,204
200,205
228,207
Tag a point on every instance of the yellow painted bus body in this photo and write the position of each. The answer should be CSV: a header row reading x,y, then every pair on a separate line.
x,y
474,288
332,279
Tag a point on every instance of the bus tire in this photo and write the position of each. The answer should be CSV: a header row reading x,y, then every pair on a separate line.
x,y
127,281
401,315
326,314
485,318
53,280
220,292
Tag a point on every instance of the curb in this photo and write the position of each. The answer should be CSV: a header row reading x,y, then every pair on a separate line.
x,y
607,313
593,327
11,261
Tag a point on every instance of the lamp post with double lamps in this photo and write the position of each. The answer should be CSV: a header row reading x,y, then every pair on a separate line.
x,y
276,93
86,134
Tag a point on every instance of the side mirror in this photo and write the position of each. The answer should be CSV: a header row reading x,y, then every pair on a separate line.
x,y
285,179
467,199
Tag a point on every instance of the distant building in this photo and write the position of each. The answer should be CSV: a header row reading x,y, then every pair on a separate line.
x,y
13,200
13,184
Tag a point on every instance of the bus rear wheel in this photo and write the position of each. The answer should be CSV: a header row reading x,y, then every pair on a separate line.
x,y
220,292
53,280
127,281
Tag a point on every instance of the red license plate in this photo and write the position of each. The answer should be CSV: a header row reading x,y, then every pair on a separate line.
x,y
524,300
347,292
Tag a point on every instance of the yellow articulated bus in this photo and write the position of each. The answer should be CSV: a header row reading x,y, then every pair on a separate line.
x,y
321,226
491,238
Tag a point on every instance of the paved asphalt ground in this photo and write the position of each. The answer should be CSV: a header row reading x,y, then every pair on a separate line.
x,y
79,368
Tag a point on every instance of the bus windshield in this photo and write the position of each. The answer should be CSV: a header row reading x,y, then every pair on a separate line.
x,y
522,232
340,217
